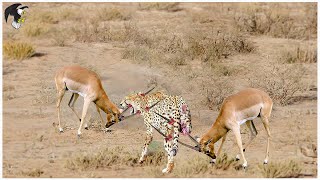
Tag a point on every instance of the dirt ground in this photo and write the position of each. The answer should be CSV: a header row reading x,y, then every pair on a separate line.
x,y
33,147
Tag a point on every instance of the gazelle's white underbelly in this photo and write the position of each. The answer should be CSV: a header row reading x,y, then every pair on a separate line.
x,y
80,93
247,119
248,114
76,87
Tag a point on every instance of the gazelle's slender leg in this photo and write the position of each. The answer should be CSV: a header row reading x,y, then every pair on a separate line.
x,y
60,96
236,130
222,142
84,113
71,103
265,122
253,134
98,109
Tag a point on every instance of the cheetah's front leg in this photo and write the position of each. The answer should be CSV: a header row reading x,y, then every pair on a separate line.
x,y
171,146
169,149
146,144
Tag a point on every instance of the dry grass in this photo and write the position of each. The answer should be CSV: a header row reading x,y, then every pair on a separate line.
x,y
212,48
36,172
215,91
282,84
192,167
299,55
59,37
224,162
289,169
114,13
160,6
277,21
109,157
18,50
34,29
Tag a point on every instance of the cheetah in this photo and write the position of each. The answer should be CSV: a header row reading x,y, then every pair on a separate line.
x,y
169,106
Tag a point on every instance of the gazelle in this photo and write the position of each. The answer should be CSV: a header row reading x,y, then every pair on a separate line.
x,y
236,110
81,81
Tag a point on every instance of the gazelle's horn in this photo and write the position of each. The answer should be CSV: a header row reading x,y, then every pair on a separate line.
x,y
149,90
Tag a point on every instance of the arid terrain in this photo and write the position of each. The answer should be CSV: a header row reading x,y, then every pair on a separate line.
x,y
201,51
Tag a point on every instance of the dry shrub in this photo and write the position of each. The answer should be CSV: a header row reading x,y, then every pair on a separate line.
x,y
282,84
276,21
215,91
289,169
213,47
161,6
299,55
18,50
109,157
114,13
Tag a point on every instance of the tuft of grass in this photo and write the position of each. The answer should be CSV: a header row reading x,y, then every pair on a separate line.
x,y
36,172
192,167
289,169
155,158
110,157
224,162
299,55
160,6
18,50
282,84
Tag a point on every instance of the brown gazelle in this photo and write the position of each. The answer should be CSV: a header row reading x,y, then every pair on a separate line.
x,y
238,109
81,81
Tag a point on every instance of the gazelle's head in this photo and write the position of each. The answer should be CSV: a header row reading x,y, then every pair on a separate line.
x,y
207,147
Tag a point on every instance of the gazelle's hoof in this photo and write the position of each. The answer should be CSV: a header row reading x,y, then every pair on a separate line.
x,y
265,161
244,165
213,161
107,130
141,161
165,170
86,128
79,136
237,157
60,130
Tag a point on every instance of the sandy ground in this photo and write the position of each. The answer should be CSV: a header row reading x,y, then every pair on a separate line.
x,y
30,141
